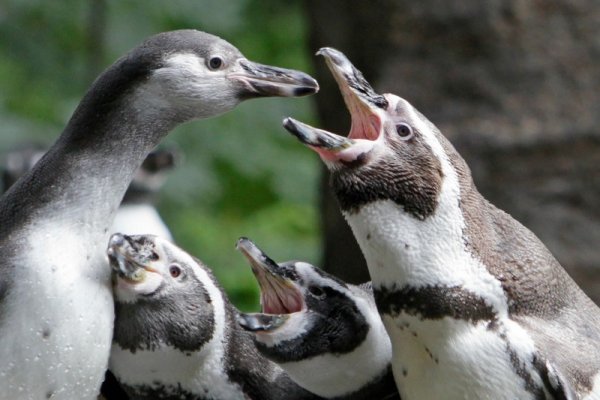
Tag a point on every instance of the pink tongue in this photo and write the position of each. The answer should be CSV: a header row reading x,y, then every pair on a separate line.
x,y
360,146
274,304
365,126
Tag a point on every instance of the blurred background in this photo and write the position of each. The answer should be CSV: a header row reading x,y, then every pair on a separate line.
x,y
514,84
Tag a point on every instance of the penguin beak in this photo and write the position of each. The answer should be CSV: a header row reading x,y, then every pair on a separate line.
x,y
265,80
364,104
366,107
126,260
331,147
279,294
258,322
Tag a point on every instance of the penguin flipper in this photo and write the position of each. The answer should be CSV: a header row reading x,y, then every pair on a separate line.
x,y
554,380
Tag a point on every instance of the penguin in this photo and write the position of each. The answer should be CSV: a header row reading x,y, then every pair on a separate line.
x,y
56,304
475,305
326,334
176,332
136,213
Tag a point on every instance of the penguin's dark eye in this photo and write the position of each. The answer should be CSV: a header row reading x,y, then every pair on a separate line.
x,y
316,291
215,62
405,131
175,270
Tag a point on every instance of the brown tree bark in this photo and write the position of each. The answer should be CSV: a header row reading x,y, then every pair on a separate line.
x,y
515,85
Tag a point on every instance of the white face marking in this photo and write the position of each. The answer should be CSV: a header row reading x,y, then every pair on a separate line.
x,y
297,324
200,372
139,219
186,83
128,292
61,308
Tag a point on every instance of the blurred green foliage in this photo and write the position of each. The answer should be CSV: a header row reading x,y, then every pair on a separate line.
x,y
241,174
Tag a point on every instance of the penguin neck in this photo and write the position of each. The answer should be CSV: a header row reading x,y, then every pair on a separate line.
x,y
259,377
246,366
345,375
83,177
406,252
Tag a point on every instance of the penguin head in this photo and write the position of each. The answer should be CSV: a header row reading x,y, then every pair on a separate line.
x,y
163,296
188,74
391,153
305,311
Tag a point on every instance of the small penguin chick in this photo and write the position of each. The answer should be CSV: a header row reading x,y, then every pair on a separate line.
x,y
326,334
176,335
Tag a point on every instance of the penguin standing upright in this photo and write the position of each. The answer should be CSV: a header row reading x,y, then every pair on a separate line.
x,y
475,305
56,303
326,334
176,333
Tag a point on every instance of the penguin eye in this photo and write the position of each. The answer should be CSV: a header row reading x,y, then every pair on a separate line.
x,y
405,131
175,270
316,291
215,62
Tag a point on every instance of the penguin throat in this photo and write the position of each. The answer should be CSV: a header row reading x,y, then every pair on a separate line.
x,y
280,299
365,125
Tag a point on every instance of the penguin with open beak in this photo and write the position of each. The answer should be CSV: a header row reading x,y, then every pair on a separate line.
x,y
326,334
475,305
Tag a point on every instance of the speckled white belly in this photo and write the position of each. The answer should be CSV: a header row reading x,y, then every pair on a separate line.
x,y
170,369
455,359
57,319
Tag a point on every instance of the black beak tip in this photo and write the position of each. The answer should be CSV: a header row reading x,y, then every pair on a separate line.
x,y
336,56
293,127
241,242
290,125
306,90
306,85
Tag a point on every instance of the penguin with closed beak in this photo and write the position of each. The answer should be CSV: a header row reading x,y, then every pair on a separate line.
x,y
326,334
475,305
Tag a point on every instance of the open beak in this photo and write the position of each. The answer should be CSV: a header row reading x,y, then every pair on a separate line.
x,y
360,98
258,322
266,80
331,147
126,259
280,296
366,110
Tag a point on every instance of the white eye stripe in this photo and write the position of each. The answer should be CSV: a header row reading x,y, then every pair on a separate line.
x,y
312,277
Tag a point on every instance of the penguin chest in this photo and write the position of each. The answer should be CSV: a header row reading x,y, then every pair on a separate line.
x,y
166,372
457,359
57,320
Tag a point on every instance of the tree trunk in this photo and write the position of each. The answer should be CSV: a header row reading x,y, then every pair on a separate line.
x,y
515,85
